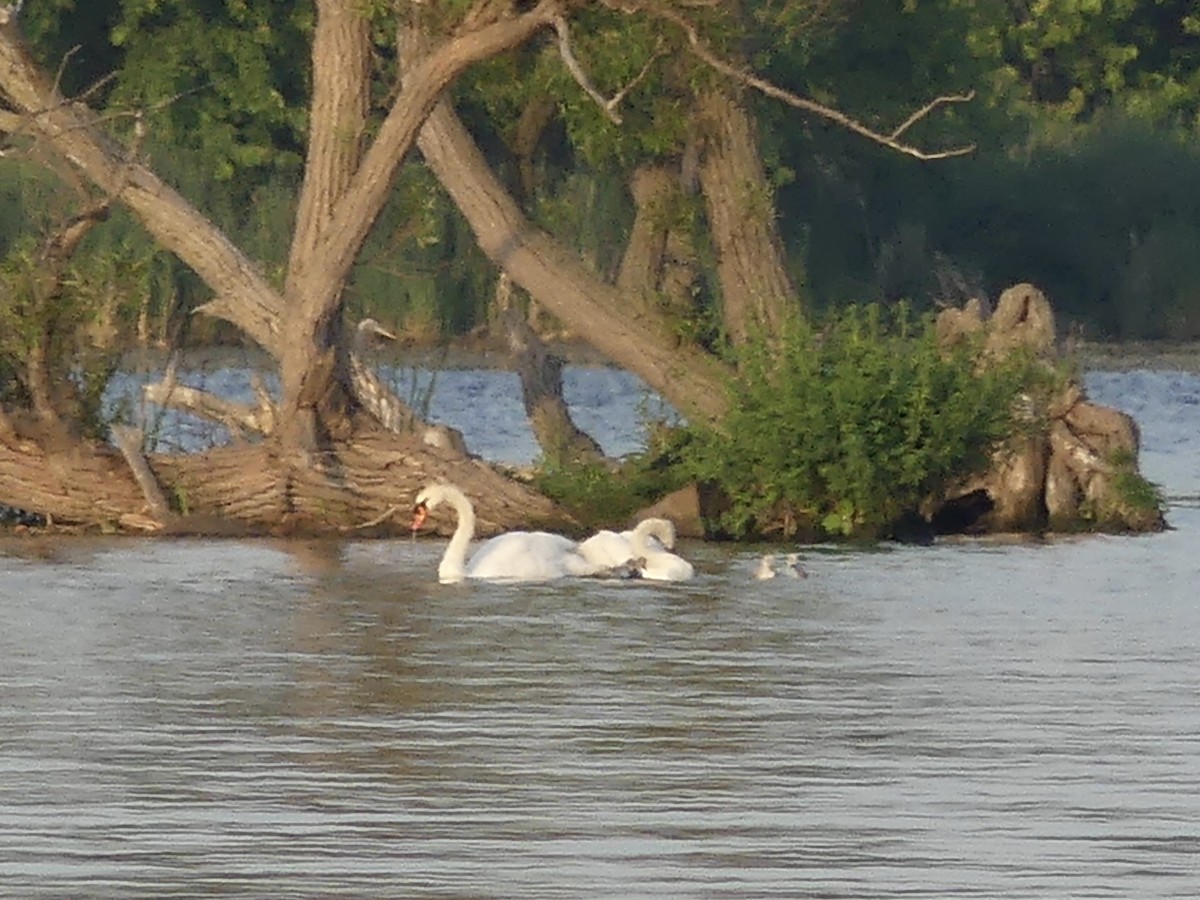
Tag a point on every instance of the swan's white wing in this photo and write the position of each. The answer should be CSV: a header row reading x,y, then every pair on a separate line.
x,y
664,566
607,548
522,555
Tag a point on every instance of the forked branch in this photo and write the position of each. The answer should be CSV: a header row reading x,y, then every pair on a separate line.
x,y
608,105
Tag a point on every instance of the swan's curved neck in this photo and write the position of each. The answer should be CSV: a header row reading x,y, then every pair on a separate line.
x,y
648,528
453,566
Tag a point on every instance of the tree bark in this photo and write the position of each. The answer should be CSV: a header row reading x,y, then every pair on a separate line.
x,y
755,288
636,339
252,487
659,266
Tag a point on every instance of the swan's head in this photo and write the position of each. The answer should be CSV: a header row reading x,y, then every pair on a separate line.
x,y
371,328
429,497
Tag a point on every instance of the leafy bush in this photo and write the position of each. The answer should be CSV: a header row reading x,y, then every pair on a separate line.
x,y
844,429
1132,497
600,494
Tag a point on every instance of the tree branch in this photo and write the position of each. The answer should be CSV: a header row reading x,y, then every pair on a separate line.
x,y
701,51
609,106
129,441
237,417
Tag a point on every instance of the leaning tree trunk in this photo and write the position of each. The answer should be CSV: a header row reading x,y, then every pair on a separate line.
x,y
638,340
540,371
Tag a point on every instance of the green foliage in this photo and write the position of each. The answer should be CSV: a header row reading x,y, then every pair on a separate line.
x,y
1074,58
845,428
1131,498
600,494
74,322
226,78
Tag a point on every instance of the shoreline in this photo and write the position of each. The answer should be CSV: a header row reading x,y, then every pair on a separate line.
x,y
1180,356
472,353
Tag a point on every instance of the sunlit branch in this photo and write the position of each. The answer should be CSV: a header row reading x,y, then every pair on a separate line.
x,y
239,418
572,63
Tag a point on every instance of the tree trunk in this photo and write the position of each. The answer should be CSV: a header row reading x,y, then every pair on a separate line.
x,y
367,488
755,288
310,366
561,440
659,267
311,471
638,340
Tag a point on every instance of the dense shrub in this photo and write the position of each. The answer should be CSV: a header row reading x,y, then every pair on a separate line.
x,y
843,429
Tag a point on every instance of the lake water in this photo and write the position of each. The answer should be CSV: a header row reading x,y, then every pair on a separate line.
x,y
254,718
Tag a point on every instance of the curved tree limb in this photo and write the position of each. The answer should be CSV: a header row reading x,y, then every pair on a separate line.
x,y
692,380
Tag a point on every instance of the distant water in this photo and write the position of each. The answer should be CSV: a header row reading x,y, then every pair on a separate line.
x,y
485,404
256,718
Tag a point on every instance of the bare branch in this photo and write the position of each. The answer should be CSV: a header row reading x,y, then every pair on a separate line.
x,y
576,70
90,90
129,442
637,79
572,63
378,520
237,417
928,108
700,50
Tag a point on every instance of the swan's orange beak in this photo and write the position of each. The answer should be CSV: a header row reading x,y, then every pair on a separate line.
x,y
420,514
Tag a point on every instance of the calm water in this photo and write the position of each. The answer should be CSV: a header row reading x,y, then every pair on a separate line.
x,y
302,720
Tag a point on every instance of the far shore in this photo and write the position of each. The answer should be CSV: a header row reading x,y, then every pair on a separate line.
x,y
474,353
1183,356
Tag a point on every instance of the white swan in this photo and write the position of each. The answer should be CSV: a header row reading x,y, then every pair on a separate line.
x,y
647,547
515,555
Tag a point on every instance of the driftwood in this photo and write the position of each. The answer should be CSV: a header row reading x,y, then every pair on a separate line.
x,y
240,419
1061,477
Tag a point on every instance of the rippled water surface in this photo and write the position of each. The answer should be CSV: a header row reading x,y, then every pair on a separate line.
x,y
974,719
